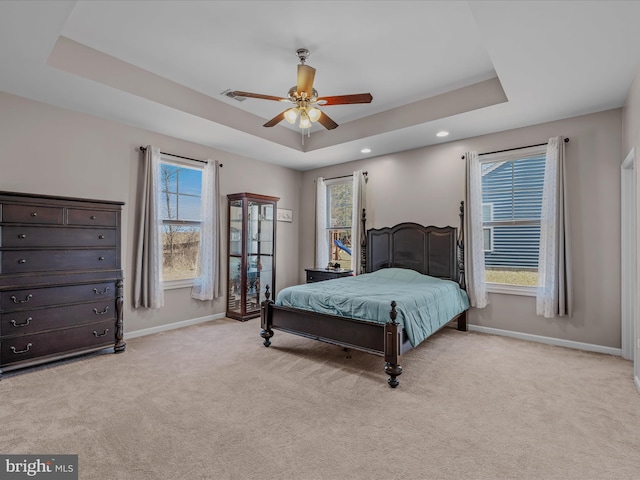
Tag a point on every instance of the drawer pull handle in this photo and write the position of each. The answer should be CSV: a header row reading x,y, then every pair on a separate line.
x,y
22,235
22,261
34,214
95,310
92,217
100,258
13,349
26,299
101,237
101,334
95,290
13,322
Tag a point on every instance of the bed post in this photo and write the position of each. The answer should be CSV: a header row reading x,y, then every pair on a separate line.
x,y
462,322
461,277
392,347
363,243
265,318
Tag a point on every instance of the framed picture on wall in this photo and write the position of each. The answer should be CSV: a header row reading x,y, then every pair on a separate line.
x,y
285,215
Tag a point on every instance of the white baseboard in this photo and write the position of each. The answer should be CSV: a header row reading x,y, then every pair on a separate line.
x,y
549,340
637,381
172,326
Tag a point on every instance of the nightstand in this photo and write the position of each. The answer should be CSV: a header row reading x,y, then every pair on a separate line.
x,y
320,274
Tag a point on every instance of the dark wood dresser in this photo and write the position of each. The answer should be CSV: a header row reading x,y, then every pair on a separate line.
x,y
321,274
61,285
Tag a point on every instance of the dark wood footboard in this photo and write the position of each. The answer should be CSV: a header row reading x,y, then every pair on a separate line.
x,y
388,340
341,331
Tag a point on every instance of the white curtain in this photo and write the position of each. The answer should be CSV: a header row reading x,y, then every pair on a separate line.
x,y
554,294
322,239
207,285
357,232
474,245
148,288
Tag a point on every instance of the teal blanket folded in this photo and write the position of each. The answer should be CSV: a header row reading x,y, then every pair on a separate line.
x,y
424,303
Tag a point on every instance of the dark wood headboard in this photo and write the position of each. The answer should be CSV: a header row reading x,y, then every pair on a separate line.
x,y
428,250
434,251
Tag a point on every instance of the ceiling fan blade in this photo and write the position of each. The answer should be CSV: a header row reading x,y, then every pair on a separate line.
x,y
306,74
345,99
237,93
326,122
275,120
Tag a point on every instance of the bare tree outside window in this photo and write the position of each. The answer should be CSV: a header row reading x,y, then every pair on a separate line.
x,y
180,189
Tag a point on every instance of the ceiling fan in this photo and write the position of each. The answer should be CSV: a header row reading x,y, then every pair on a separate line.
x,y
305,99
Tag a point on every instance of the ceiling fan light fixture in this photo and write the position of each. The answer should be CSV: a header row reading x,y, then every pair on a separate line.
x,y
291,115
314,114
304,120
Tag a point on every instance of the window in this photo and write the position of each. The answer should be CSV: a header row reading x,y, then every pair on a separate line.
x,y
487,232
339,232
180,204
339,218
512,198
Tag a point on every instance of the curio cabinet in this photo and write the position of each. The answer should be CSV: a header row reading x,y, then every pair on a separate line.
x,y
251,253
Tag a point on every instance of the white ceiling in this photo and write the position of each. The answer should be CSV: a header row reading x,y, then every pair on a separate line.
x,y
467,67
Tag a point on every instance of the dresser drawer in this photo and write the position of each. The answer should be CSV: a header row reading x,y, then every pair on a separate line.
x,y
78,216
26,236
316,275
26,322
32,214
24,261
26,299
85,337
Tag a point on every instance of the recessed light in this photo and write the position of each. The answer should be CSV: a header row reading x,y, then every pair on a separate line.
x,y
365,150
442,133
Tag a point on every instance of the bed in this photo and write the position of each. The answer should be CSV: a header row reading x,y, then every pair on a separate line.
x,y
385,317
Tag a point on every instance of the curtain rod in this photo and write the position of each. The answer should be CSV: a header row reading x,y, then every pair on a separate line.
x,y
345,176
566,140
144,149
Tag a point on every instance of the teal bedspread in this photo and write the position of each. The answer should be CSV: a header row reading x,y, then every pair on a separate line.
x,y
424,303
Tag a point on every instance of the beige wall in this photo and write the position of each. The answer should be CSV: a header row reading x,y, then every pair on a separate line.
x,y
426,186
49,150
631,123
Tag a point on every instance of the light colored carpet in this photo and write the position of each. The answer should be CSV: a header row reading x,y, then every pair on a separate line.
x,y
210,402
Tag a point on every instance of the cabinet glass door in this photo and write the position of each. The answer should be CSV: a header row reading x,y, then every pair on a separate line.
x,y
235,228
259,252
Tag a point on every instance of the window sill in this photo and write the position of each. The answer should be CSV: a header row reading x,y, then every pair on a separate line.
x,y
511,289
173,284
